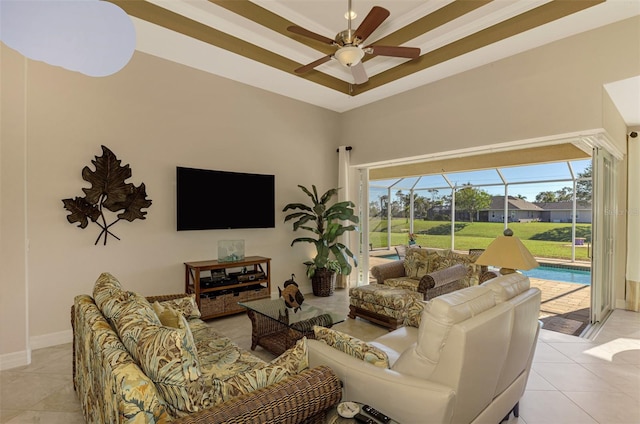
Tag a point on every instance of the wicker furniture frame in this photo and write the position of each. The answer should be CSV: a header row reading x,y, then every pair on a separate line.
x,y
279,333
384,320
291,401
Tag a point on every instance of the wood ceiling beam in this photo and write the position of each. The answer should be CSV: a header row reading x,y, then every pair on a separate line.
x,y
541,15
428,23
268,19
533,18
175,22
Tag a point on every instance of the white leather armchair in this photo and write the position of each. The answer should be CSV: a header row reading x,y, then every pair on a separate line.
x,y
467,362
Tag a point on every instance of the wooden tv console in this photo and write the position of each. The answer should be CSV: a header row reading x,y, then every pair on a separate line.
x,y
219,297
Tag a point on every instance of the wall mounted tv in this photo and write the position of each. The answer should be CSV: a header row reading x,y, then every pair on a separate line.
x,y
209,200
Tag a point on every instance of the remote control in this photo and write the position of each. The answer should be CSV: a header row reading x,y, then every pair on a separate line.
x,y
364,419
376,414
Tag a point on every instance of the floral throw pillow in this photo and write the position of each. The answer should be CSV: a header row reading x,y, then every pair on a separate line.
x,y
186,305
296,359
416,264
352,346
168,356
168,316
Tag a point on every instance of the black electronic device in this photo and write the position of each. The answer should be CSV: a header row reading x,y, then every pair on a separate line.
x,y
208,199
218,275
245,276
206,282
375,414
361,418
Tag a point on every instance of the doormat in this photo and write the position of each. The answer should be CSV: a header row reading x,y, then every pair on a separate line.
x,y
562,325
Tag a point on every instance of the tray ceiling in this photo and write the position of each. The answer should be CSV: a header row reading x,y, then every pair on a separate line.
x,y
248,41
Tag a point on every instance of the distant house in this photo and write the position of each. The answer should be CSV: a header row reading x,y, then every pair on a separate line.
x,y
561,211
519,210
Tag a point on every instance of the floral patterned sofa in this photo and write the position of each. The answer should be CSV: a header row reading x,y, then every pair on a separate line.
x,y
152,360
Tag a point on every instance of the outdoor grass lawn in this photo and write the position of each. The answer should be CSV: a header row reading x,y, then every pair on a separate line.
x,y
543,239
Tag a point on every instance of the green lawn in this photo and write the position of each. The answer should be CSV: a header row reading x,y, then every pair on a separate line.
x,y
543,239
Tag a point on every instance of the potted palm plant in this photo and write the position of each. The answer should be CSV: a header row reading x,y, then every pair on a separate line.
x,y
324,218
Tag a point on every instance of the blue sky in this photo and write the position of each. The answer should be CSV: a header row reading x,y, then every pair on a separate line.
x,y
542,177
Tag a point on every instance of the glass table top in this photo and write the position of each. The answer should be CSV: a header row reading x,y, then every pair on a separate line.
x,y
277,310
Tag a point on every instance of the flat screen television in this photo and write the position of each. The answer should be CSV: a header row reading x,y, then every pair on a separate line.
x,y
209,200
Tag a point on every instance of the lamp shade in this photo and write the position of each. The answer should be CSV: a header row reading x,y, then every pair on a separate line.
x,y
509,253
349,55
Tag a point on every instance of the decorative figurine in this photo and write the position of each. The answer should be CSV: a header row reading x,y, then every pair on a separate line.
x,y
291,294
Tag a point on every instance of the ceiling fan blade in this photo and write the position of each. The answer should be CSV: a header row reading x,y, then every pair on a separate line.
x,y
409,52
359,73
376,16
306,33
307,68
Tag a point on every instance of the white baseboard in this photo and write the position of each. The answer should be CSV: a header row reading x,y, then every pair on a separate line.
x,y
14,360
51,339
19,359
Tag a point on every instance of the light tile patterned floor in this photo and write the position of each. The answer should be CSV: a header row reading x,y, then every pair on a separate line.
x,y
573,380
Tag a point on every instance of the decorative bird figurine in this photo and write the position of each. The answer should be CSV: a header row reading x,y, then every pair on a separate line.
x,y
291,294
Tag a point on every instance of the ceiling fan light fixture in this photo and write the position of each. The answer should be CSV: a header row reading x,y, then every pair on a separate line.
x,y
351,14
349,55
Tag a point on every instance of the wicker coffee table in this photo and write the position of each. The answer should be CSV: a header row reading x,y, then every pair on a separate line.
x,y
277,328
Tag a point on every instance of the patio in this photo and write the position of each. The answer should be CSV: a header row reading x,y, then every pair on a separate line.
x,y
564,306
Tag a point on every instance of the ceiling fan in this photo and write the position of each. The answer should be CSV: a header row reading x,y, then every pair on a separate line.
x,y
350,44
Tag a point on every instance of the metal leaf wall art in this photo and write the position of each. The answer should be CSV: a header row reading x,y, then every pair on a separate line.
x,y
108,192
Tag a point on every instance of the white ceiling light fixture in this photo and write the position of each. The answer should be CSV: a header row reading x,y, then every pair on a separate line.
x,y
349,55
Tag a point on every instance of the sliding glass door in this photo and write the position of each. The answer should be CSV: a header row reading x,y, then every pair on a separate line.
x,y
603,234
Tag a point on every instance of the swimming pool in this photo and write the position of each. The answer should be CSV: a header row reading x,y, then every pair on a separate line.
x,y
393,256
568,275
546,272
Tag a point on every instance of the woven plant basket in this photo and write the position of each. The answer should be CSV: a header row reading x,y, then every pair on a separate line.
x,y
323,282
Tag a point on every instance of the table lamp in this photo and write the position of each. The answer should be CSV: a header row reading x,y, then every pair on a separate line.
x,y
508,253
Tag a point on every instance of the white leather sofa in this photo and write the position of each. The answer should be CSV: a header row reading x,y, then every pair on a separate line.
x,y
467,362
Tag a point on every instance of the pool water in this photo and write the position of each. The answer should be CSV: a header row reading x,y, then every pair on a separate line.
x,y
560,274
395,257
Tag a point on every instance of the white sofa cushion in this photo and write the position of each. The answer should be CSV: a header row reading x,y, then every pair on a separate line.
x,y
514,289
508,286
395,342
439,315
442,312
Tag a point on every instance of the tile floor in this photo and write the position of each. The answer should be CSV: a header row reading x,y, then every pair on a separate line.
x,y
573,380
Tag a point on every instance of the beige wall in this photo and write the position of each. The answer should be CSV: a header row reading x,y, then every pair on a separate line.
x,y
13,226
154,115
555,89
